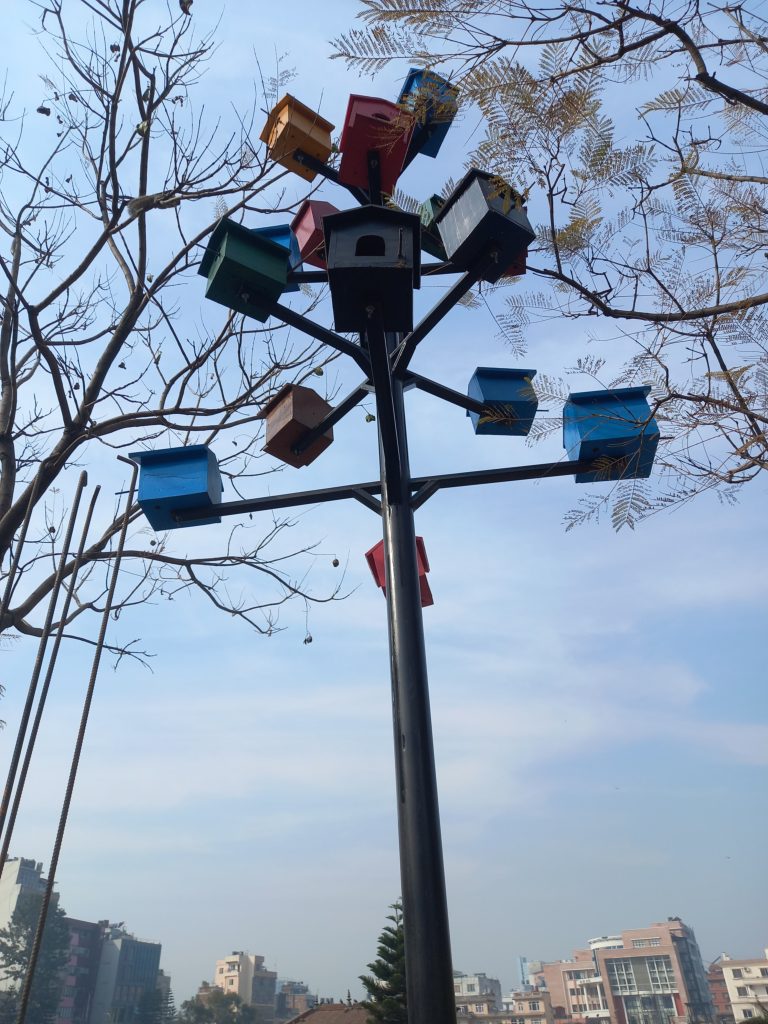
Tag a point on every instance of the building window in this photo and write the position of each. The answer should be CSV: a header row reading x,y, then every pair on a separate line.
x,y
654,941
533,1006
621,976
661,974
471,988
742,990
748,1013
479,1007
640,943
764,972
737,972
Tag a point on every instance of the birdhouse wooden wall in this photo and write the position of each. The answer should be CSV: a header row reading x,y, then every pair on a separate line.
x,y
290,126
172,479
246,271
307,225
375,559
614,426
374,124
433,102
292,412
510,399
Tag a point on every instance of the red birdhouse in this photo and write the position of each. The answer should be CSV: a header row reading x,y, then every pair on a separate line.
x,y
292,412
374,124
375,559
307,225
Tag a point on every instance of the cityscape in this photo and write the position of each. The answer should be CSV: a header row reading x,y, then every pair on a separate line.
x,y
652,974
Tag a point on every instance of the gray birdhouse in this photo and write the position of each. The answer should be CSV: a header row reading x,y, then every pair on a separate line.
x,y
373,259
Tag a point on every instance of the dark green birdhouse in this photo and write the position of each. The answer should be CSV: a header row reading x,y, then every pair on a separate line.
x,y
373,259
246,270
484,213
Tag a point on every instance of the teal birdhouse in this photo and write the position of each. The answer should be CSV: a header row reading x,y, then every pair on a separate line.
x,y
171,479
433,103
484,213
510,400
246,270
431,241
612,425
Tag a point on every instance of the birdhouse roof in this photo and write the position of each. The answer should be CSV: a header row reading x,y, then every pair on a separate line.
x,y
284,391
225,227
472,175
611,394
301,108
160,454
378,216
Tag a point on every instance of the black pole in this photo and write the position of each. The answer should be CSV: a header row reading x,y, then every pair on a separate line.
x,y
428,965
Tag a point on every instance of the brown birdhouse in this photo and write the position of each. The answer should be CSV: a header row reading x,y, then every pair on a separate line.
x,y
292,412
290,126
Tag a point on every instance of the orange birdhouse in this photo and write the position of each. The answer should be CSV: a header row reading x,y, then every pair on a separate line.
x,y
290,126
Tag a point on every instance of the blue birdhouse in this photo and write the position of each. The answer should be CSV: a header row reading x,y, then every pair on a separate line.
x,y
247,271
614,425
433,102
482,213
282,234
510,399
171,479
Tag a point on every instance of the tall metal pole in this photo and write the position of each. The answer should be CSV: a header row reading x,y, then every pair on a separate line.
x,y
429,972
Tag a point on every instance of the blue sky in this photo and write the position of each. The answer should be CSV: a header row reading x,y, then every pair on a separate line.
x,y
598,699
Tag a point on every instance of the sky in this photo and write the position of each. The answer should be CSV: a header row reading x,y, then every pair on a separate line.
x,y
598,699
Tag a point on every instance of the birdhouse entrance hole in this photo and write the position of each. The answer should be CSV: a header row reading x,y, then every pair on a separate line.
x,y
370,245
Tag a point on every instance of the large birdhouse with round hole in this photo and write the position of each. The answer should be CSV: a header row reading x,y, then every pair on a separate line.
x,y
508,397
246,270
373,260
374,130
290,416
433,103
375,559
484,214
292,126
307,225
172,479
614,426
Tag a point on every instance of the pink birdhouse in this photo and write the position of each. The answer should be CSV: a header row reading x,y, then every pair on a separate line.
x,y
307,225
374,124
375,559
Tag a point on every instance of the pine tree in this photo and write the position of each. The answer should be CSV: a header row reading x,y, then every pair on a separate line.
x,y
385,985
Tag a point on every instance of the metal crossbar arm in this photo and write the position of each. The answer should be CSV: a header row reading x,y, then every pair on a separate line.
x,y
425,487
447,394
301,323
408,345
420,485
345,405
330,173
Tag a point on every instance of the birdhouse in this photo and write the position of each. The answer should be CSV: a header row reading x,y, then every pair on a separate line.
x,y
373,259
291,126
614,425
282,234
374,124
307,225
171,479
509,397
433,102
481,213
246,271
431,241
375,559
292,412
518,266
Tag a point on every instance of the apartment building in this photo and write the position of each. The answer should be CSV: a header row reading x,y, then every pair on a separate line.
x,y
747,985
648,975
246,976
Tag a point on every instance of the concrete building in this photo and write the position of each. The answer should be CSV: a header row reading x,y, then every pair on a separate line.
x,y
246,976
528,1006
19,875
477,988
648,975
127,975
292,999
79,980
747,985
719,992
